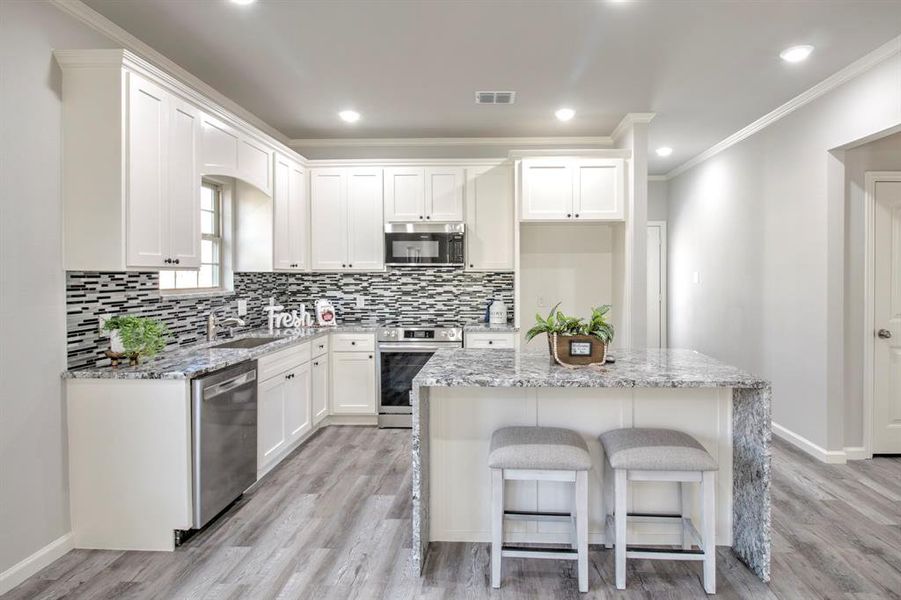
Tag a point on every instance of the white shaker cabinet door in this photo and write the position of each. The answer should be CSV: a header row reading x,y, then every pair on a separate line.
x,y
599,190
148,208
489,218
404,194
328,226
444,194
218,148
547,189
298,219
255,164
184,185
271,428
365,227
298,409
319,385
353,383
290,216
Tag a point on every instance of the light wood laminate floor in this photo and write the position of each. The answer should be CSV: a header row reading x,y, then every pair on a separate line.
x,y
333,521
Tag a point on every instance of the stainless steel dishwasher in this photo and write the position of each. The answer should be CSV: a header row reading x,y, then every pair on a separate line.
x,y
224,422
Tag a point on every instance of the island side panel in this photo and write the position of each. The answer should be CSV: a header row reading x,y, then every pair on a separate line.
x,y
421,477
751,438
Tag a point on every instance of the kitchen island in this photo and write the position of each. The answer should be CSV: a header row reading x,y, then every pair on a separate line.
x,y
462,395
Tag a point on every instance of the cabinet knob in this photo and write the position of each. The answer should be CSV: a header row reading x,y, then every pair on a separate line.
x,y
353,343
471,266
428,217
420,216
168,261
349,266
568,215
315,364
343,266
177,261
490,342
370,356
577,215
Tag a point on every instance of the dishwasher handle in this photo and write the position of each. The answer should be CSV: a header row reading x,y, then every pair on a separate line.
x,y
226,386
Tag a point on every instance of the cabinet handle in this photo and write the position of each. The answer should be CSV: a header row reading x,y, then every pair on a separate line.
x,y
315,364
168,261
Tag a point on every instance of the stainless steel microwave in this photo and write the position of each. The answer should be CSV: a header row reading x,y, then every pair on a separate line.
x,y
424,244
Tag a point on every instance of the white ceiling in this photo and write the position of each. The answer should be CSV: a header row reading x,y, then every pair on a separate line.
x,y
706,67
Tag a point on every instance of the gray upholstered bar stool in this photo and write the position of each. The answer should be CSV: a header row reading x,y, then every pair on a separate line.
x,y
539,454
662,455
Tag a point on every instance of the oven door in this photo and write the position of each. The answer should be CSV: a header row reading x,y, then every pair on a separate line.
x,y
399,363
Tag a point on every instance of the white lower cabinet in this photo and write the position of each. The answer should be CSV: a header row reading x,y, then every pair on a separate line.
x,y
353,383
284,404
319,376
490,340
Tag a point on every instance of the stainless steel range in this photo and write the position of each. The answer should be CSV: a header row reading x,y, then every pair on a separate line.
x,y
403,351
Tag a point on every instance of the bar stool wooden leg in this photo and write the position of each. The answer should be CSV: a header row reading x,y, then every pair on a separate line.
x,y
497,525
685,493
708,526
620,490
582,527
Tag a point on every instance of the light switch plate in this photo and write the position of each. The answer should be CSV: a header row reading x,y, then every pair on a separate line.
x,y
242,307
361,302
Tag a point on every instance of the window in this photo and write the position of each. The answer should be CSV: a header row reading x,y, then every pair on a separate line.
x,y
209,277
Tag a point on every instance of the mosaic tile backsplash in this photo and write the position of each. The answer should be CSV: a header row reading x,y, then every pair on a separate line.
x,y
402,295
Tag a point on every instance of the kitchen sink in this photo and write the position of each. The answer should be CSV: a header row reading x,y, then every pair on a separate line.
x,y
250,342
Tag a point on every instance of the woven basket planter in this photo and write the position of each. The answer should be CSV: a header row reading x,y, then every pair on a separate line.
x,y
576,350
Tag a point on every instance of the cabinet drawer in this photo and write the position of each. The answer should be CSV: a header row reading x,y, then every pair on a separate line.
x,y
283,360
320,346
490,340
353,342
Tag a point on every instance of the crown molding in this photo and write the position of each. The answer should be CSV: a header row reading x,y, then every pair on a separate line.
x,y
405,162
630,120
582,152
447,141
658,178
881,54
82,12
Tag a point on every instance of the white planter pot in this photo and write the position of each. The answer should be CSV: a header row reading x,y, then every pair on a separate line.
x,y
115,342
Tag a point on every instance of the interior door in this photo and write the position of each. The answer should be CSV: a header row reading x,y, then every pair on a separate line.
x,y
656,285
328,219
887,312
365,225
147,224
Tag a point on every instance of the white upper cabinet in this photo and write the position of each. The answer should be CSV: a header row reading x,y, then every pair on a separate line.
x,y
567,188
290,238
424,194
404,194
444,193
136,143
365,231
346,225
599,190
489,218
225,150
163,186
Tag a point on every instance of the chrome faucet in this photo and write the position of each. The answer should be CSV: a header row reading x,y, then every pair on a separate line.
x,y
213,323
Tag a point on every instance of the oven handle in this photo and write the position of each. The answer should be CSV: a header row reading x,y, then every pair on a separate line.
x,y
402,347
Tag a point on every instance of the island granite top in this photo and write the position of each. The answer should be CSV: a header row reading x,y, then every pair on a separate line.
x,y
664,368
192,361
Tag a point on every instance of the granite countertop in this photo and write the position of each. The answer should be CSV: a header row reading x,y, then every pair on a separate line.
x,y
666,368
198,359
490,328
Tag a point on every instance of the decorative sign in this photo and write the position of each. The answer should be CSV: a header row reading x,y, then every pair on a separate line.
x,y
579,348
279,319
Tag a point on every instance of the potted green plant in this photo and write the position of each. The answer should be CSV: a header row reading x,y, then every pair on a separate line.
x,y
133,337
571,340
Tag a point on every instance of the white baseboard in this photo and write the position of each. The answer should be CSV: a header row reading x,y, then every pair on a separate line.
x,y
27,567
833,457
366,420
857,453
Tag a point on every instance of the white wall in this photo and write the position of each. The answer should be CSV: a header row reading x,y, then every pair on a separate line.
x,y
33,471
760,225
881,155
658,208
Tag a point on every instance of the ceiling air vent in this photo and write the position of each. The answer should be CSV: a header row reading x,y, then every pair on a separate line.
x,y
495,97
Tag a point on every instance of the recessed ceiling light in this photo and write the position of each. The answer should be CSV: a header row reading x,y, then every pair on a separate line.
x,y
796,53
664,151
243,2
565,114
349,116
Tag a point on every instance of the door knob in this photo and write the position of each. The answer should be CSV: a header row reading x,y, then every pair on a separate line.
x,y
884,334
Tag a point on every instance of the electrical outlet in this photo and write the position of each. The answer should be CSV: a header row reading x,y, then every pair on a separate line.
x,y
361,302
242,307
542,303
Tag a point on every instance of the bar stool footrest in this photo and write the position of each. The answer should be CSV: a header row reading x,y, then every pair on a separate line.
x,y
522,515
538,552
